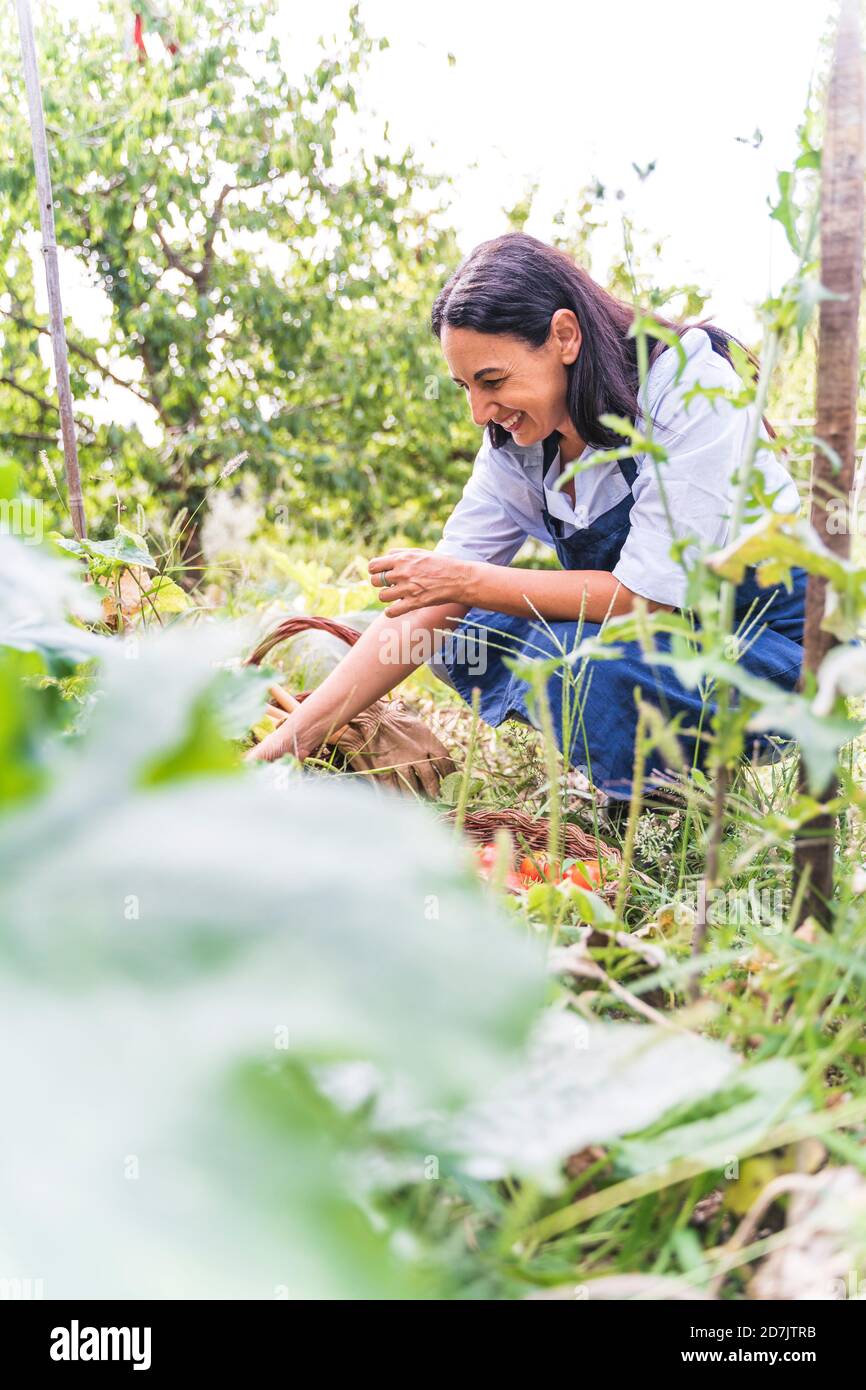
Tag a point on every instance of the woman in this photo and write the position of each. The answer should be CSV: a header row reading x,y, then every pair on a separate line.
x,y
544,353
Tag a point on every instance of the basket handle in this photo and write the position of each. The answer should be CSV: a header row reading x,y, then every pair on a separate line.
x,y
290,627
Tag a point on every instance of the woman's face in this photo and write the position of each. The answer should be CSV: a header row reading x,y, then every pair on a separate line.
x,y
520,387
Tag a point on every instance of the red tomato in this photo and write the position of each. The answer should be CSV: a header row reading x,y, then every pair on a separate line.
x,y
541,870
584,874
528,870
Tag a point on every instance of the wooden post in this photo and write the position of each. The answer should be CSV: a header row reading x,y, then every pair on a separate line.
x,y
842,172
52,272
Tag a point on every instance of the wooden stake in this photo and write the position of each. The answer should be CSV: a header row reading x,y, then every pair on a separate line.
x,y
52,272
842,171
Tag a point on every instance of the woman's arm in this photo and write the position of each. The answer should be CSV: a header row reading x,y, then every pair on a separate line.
x,y
384,655
419,577
552,594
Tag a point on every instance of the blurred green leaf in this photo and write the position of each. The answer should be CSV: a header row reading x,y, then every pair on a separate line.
x,y
173,947
584,1083
736,1116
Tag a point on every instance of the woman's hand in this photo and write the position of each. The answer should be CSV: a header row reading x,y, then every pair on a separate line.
x,y
282,740
420,579
287,737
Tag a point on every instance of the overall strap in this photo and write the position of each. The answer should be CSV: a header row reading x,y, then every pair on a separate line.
x,y
628,468
549,446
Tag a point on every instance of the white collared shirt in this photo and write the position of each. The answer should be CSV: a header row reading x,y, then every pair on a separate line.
x,y
705,440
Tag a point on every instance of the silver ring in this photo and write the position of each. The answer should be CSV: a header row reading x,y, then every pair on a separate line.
x,y
384,583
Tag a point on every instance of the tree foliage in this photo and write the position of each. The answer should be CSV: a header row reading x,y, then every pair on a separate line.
x,y
266,287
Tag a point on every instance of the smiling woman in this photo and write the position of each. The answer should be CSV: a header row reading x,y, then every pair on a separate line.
x,y
550,370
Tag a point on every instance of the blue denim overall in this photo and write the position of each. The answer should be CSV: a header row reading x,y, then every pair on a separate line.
x,y
602,715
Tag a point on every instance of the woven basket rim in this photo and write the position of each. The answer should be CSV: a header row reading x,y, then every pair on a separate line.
x,y
578,843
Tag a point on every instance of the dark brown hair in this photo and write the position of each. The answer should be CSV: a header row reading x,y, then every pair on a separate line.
x,y
514,284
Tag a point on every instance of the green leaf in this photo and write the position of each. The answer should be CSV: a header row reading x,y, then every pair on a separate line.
x,y
592,908
172,953
736,1116
639,440
166,596
785,541
37,593
652,329
809,159
809,294
785,211
10,476
820,737
777,711
123,549
583,1083
842,673
22,721
449,788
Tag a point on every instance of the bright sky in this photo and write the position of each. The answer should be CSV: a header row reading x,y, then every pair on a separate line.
x,y
559,93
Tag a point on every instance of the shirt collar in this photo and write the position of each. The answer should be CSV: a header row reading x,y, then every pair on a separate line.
x,y
557,501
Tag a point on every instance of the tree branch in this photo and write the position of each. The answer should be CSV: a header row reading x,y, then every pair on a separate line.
x,y
214,221
149,398
32,437
44,405
174,260
201,277
29,438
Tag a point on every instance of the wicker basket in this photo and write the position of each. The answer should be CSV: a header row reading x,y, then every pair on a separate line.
x,y
291,627
531,834
365,743
528,833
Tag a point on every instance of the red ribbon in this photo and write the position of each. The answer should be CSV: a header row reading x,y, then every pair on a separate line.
x,y
138,39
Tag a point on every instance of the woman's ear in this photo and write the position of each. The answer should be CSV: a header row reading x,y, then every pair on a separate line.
x,y
566,331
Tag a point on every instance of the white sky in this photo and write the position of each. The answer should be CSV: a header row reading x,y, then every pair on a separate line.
x,y
559,93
